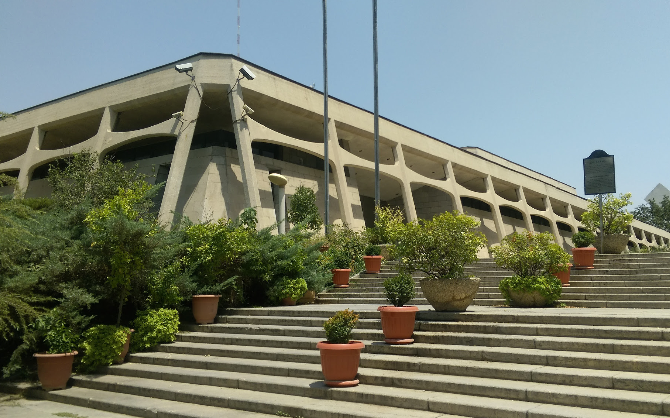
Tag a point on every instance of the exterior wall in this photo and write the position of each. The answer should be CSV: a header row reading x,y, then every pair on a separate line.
x,y
218,182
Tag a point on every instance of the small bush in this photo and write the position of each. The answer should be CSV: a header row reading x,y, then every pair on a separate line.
x,y
289,288
583,239
389,223
338,327
548,286
399,289
102,345
304,209
373,250
616,218
153,327
530,255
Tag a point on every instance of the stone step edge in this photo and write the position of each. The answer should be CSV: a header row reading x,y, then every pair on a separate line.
x,y
285,364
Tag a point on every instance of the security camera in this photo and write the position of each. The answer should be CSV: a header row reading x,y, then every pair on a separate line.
x,y
177,115
184,68
248,110
246,72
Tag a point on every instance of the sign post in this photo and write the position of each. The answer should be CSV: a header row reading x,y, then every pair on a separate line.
x,y
599,178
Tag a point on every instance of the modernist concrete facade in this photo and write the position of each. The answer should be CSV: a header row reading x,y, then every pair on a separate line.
x,y
216,159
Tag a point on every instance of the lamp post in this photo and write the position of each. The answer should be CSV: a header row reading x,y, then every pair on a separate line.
x,y
280,181
326,164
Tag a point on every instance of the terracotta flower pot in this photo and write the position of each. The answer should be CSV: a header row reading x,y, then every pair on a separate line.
x,y
373,263
341,277
54,370
583,257
339,362
125,349
288,302
398,323
308,297
205,308
564,276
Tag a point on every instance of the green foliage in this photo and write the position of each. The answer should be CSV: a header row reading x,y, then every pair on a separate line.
x,y
4,115
338,327
530,255
102,345
303,208
389,223
583,239
17,311
548,286
153,327
289,288
58,337
6,180
373,250
399,289
654,214
346,248
616,218
440,247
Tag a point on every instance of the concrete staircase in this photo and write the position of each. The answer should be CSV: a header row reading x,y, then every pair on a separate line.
x,y
617,281
487,362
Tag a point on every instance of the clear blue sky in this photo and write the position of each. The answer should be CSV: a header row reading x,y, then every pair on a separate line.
x,y
541,83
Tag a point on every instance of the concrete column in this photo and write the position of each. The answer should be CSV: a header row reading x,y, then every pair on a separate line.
x,y
280,182
573,220
180,156
26,171
497,217
339,177
106,126
526,216
243,138
449,171
408,199
552,220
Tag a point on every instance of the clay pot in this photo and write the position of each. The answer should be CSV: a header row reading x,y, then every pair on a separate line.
x,y
564,276
125,349
583,257
308,297
205,308
453,295
288,302
339,362
54,370
341,277
398,323
373,263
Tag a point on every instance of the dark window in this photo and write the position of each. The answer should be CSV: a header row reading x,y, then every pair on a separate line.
x,y
475,204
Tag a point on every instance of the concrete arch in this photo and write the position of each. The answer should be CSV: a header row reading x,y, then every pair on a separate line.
x,y
430,201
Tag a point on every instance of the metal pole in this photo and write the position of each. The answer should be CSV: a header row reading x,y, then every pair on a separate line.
x,y
602,232
374,55
326,165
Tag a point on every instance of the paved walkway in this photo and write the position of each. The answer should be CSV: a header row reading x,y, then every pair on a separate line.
x,y
15,406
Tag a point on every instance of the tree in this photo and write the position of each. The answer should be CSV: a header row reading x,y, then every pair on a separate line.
x,y
616,218
304,209
655,214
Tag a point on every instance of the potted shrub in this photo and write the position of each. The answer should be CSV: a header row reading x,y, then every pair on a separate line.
x,y
288,291
440,248
373,258
340,356
104,345
398,320
54,365
583,255
340,263
533,258
616,221
564,275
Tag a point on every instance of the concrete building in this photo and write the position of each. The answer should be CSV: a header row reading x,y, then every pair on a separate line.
x,y
216,157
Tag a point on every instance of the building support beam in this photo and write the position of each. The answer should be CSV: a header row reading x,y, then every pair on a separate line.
x,y
573,220
451,178
407,198
26,171
180,156
495,209
340,179
552,220
243,138
526,211
106,126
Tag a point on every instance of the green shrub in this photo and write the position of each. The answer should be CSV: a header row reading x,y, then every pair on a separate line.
x,y
530,255
153,327
289,288
399,289
440,247
102,345
389,223
303,208
583,239
346,248
616,218
373,250
338,327
548,286
58,337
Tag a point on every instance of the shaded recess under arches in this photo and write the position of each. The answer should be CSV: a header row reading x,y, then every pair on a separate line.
x,y
513,219
541,224
390,193
423,164
470,179
506,190
12,146
71,131
562,226
429,201
150,110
